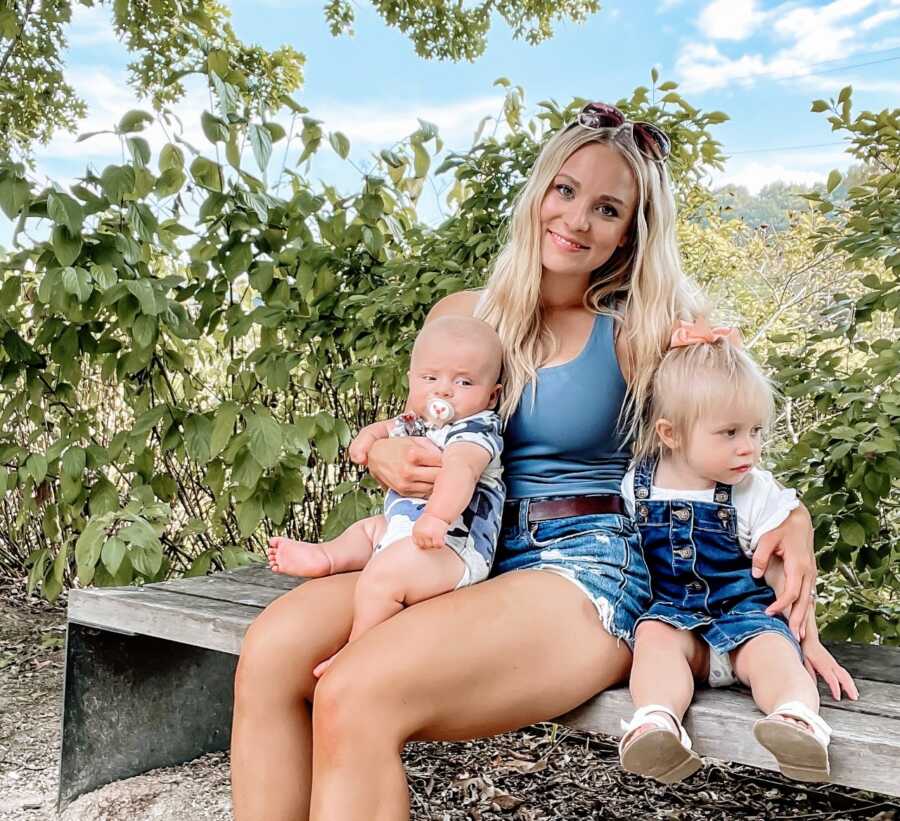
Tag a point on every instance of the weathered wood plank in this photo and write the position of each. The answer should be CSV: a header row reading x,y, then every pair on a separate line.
x,y
215,625
261,575
876,663
865,750
221,587
875,698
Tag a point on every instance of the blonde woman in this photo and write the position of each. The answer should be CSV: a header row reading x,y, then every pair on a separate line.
x,y
584,297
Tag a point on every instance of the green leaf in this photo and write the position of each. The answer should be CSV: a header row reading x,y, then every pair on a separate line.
x,y
834,180
197,432
171,157
853,533
36,467
65,210
77,281
249,513
73,462
134,120
117,182
265,438
819,106
216,130
223,427
139,149
112,554
144,330
340,144
261,143
207,173
421,160
66,246
143,291
87,550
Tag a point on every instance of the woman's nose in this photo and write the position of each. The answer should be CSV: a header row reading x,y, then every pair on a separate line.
x,y
577,218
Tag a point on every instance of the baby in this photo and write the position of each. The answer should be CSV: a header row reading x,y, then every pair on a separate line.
x,y
701,507
418,549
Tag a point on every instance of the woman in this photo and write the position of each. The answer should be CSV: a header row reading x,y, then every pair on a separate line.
x,y
584,297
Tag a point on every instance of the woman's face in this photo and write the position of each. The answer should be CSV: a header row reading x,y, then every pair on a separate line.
x,y
587,211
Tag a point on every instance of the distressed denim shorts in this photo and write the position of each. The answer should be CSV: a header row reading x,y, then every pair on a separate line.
x,y
600,553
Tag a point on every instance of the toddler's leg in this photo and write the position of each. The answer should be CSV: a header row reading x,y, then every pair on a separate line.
x,y
782,688
349,551
666,660
400,575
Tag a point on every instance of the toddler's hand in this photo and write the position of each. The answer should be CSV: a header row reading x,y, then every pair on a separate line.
x,y
818,661
359,448
429,531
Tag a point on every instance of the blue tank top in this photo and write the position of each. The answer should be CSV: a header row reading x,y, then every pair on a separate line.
x,y
566,443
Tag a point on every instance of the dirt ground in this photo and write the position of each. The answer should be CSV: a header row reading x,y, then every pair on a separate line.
x,y
535,774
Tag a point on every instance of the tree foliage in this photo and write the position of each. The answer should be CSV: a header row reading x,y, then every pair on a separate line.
x,y
186,353
448,30
841,372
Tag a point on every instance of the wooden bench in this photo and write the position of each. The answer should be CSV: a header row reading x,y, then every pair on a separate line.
x,y
149,675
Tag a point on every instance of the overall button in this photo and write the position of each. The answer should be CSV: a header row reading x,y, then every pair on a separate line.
x,y
684,553
722,496
682,514
643,511
724,515
695,587
642,493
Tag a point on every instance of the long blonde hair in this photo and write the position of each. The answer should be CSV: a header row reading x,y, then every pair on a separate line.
x,y
641,284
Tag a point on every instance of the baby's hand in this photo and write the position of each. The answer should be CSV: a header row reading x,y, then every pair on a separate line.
x,y
818,661
359,448
429,531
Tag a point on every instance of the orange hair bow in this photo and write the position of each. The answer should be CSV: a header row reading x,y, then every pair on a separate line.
x,y
699,332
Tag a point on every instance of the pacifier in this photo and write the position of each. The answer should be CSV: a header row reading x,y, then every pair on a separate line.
x,y
439,411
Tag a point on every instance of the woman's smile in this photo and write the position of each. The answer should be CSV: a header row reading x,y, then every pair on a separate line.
x,y
565,243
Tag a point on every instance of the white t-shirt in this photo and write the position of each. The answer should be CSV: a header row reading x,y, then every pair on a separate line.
x,y
760,502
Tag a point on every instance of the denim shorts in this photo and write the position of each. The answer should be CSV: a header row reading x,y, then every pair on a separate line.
x,y
600,553
728,630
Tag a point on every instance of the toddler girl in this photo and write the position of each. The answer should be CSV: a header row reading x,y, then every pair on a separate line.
x,y
701,507
419,549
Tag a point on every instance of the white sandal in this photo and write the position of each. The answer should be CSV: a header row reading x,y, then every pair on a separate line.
x,y
658,753
801,752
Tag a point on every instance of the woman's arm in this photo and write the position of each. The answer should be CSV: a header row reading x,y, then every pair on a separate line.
x,y
793,542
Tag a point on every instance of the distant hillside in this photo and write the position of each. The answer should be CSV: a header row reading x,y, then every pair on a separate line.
x,y
774,202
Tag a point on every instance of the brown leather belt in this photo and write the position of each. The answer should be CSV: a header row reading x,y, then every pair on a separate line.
x,y
540,510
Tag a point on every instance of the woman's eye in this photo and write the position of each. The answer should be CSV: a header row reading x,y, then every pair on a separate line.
x,y
607,210
564,190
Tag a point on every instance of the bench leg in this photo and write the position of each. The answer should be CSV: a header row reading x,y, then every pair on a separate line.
x,y
132,703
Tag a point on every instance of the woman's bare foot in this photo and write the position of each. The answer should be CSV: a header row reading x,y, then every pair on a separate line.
x,y
293,558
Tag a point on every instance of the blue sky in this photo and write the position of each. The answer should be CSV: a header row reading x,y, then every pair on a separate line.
x,y
760,61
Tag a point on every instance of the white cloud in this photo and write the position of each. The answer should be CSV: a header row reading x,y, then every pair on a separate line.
x,y
730,19
383,124
92,26
811,36
667,5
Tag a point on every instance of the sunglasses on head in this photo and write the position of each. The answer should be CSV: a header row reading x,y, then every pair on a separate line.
x,y
651,141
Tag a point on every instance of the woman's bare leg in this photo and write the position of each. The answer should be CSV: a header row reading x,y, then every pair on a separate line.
x,y
399,575
312,560
520,648
271,755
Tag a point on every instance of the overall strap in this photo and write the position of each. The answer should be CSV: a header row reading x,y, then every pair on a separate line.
x,y
643,478
722,494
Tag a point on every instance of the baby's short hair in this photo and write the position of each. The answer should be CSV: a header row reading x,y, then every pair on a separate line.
x,y
467,329
692,381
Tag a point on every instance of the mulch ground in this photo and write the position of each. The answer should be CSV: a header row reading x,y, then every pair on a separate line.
x,y
542,772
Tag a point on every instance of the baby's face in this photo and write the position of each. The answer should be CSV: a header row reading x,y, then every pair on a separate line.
x,y
455,370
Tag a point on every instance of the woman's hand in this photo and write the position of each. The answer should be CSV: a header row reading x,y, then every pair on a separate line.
x,y
818,661
793,541
407,464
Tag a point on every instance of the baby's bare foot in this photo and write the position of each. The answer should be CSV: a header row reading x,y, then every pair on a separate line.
x,y
322,666
306,559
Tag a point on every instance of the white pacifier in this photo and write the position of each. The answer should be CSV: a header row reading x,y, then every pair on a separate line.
x,y
439,411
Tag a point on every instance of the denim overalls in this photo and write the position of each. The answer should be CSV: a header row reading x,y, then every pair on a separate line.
x,y
699,574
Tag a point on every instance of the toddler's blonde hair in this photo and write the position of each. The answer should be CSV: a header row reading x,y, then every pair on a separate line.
x,y
694,380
